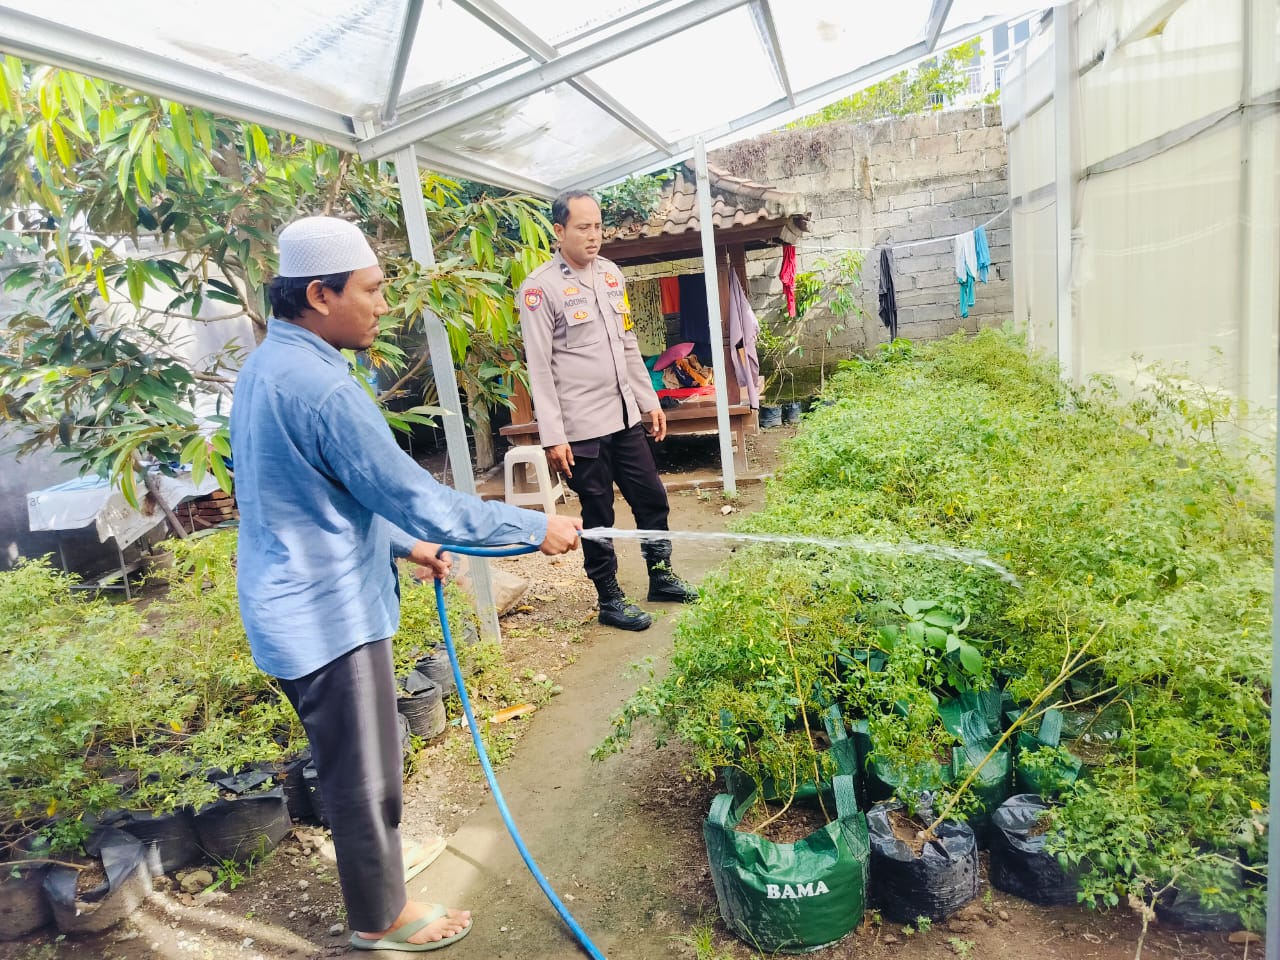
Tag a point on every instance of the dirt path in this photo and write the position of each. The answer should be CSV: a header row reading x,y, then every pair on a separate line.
x,y
620,840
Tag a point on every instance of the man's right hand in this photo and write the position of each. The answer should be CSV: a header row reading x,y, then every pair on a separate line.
x,y
562,535
560,457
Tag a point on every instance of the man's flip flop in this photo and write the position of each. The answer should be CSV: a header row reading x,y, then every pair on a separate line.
x,y
399,939
419,856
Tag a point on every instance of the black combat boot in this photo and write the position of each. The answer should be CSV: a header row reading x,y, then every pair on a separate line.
x,y
616,610
664,585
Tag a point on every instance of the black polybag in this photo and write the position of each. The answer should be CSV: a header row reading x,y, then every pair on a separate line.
x,y
128,883
935,884
1019,863
249,825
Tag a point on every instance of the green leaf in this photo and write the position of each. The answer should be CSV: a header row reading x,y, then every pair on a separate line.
x,y
219,468
970,658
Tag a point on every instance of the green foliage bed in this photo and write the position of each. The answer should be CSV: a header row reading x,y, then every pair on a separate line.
x,y
1139,527
106,705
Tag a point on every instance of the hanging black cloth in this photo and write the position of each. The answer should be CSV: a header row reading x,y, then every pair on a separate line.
x,y
888,299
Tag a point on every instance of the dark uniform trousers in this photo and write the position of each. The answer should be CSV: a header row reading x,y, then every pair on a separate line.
x,y
623,458
348,708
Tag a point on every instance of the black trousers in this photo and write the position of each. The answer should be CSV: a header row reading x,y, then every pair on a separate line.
x,y
348,708
623,458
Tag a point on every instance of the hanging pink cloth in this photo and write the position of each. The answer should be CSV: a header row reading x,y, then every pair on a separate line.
x,y
788,277
743,330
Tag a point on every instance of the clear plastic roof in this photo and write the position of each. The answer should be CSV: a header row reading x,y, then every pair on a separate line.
x,y
537,95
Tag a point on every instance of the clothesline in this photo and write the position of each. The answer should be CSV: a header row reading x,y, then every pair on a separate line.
x,y
902,246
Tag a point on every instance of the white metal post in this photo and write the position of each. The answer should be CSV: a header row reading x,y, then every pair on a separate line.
x,y
1259,321
415,218
1064,182
711,271
1259,210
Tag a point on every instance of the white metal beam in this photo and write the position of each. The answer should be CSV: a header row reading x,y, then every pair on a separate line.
x,y
779,111
1064,68
546,75
768,30
499,20
447,161
404,49
937,17
455,433
710,272
42,41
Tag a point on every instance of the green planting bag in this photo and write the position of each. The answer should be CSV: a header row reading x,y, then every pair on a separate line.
x,y
882,779
977,728
994,783
789,897
1040,767
984,704
842,757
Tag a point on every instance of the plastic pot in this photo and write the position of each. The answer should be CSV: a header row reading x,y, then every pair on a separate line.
x,y
422,706
1182,908
791,411
789,897
1019,863
934,883
169,839
770,416
439,670
24,906
128,883
244,826
311,779
288,776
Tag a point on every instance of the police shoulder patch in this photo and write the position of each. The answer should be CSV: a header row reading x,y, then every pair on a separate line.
x,y
533,298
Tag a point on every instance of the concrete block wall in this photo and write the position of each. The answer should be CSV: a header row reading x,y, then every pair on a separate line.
x,y
895,181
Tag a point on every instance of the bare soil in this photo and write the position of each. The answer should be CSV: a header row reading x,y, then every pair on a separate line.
x,y
620,840
779,824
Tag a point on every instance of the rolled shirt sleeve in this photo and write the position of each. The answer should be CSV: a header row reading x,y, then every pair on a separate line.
x,y
387,481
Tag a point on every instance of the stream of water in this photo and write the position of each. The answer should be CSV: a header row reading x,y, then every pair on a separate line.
x,y
975,558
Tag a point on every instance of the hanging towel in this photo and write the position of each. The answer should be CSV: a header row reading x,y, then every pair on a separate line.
x,y
788,277
743,330
966,268
983,252
670,294
888,298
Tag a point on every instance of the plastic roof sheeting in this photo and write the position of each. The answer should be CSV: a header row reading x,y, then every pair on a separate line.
x,y
537,95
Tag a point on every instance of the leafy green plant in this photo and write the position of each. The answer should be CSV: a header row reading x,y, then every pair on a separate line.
x,y
925,88
635,198
1137,521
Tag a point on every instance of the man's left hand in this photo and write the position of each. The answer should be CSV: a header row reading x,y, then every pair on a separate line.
x,y
430,566
657,423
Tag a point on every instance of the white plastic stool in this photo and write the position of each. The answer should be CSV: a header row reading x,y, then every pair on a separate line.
x,y
524,490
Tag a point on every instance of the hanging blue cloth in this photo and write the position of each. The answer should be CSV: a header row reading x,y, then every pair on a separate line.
x,y
983,251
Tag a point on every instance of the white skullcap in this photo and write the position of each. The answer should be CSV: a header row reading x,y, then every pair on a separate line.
x,y
318,246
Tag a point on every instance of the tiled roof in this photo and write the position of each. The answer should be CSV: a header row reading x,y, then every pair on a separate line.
x,y
735,202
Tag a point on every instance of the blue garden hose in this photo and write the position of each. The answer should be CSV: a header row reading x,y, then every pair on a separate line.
x,y
579,934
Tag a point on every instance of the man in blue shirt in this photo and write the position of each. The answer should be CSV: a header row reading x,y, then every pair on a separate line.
x,y
326,500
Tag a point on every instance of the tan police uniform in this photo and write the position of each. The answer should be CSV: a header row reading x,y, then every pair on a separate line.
x,y
586,373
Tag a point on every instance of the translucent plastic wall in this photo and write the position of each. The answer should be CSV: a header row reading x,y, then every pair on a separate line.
x,y
1170,111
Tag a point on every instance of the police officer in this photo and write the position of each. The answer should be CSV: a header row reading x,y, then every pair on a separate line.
x,y
591,394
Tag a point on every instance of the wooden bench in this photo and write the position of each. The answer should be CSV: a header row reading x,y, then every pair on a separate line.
x,y
688,418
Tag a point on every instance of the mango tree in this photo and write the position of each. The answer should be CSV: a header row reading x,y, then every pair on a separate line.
x,y
127,211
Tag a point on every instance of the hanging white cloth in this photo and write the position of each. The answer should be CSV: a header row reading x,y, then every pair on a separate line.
x,y
743,330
